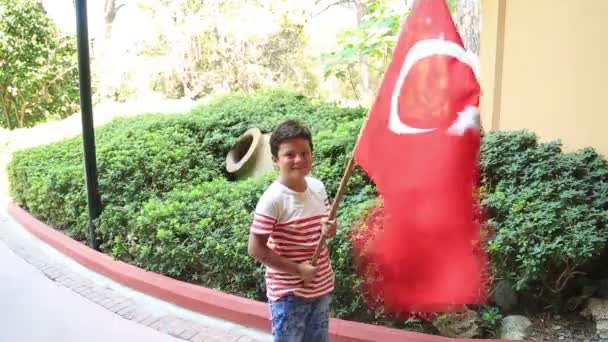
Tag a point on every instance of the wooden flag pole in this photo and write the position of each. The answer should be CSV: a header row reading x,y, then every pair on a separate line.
x,y
334,207
333,211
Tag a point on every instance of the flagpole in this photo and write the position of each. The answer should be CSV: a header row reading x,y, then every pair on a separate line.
x,y
333,211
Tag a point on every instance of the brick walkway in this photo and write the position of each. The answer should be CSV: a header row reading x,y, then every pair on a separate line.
x,y
151,312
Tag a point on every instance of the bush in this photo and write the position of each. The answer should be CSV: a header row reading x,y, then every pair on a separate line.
x,y
48,181
137,159
333,148
549,209
348,301
196,234
147,157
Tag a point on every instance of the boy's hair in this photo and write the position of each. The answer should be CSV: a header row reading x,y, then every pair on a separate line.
x,y
287,130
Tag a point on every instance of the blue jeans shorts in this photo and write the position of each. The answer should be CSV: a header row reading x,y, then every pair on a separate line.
x,y
300,320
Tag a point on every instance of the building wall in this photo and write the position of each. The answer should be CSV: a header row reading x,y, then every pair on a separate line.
x,y
545,68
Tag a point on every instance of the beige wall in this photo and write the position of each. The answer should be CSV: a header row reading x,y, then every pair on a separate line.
x,y
545,68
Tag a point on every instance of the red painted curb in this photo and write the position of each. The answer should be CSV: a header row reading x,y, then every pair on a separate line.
x,y
197,298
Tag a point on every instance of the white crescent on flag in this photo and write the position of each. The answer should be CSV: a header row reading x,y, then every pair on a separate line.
x,y
468,118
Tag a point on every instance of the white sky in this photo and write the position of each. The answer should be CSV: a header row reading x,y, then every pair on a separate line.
x,y
64,14
322,30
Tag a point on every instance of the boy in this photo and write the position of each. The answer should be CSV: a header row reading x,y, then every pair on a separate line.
x,y
287,226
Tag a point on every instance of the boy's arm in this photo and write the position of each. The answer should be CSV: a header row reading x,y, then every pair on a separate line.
x,y
258,249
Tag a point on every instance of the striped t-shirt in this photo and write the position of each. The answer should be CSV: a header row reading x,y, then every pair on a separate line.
x,y
292,222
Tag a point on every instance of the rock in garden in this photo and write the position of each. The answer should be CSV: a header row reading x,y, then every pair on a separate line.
x,y
597,309
515,328
459,325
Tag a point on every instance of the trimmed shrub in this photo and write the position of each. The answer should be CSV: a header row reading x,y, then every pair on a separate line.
x,y
137,159
197,234
549,209
49,182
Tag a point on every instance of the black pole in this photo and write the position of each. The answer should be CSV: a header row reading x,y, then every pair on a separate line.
x,y
86,108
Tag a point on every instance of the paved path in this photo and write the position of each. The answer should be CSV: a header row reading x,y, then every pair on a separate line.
x,y
35,308
45,296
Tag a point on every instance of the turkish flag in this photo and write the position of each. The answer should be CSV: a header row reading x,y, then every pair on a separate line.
x,y
420,146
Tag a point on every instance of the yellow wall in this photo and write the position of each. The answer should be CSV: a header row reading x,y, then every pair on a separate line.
x,y
545,68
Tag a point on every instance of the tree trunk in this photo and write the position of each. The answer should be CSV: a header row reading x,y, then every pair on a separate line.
x,y
110,11
22,115
366,93
20,109
41,6
469,23
7,116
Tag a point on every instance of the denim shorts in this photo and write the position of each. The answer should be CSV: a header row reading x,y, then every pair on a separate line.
x,y
300,320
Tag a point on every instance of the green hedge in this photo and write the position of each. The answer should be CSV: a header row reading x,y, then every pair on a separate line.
x,y
171,208
549,209
48,181
137,159
196,234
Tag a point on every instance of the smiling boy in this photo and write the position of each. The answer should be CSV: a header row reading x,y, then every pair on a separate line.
x,y
288,221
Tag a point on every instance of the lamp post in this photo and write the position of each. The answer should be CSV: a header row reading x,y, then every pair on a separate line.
x,y
88,131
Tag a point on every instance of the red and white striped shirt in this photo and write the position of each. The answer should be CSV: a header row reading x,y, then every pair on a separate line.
x,y
292,222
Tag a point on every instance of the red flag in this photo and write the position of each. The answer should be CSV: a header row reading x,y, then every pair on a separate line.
x,y
420,146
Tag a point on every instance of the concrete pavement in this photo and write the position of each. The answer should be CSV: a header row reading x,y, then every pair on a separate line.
x,y
46,296
35,308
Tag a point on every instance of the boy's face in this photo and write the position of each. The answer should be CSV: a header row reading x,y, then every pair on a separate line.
x,y
294,159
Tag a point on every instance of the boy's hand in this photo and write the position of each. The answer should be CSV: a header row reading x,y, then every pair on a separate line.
x,y
328,227
307,272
